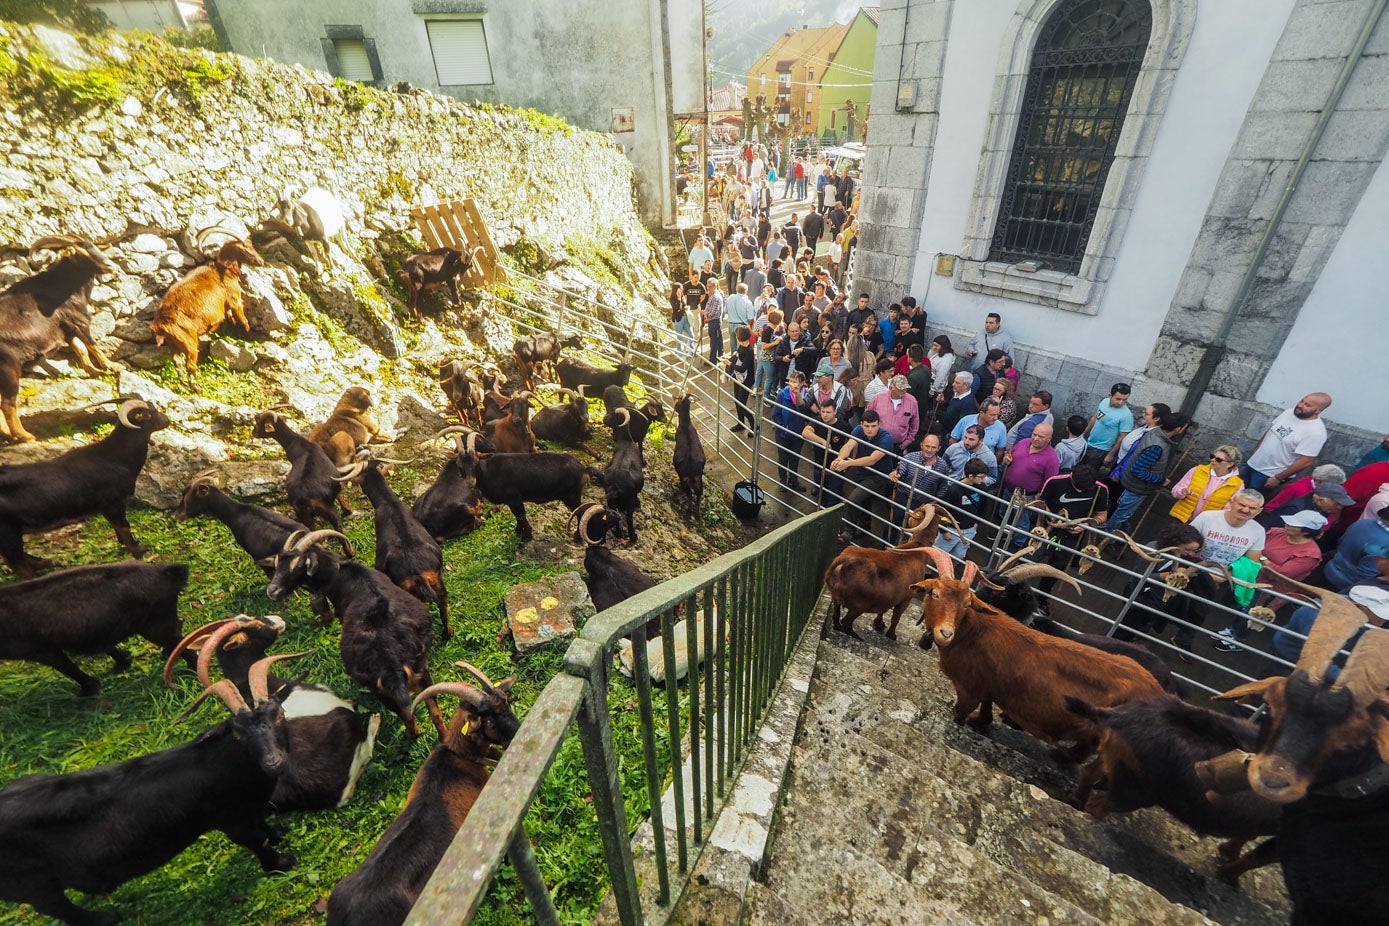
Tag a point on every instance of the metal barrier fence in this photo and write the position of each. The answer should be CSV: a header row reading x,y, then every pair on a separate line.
x,y
755,603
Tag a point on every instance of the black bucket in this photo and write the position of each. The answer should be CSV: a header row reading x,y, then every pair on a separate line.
x,y
748,500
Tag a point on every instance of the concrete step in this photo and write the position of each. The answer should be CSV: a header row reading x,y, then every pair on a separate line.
x,y
894,809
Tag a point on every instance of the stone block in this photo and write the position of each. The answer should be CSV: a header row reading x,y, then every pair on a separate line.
x,y
906,167
1191,288
1045,366
416,416
929,22
1296,86
1316,251
1174,360
1078,375
1330,191
1227,244
1244,183
1322,30
1239,374
1366,87
1355,135
1274,135
927,60
237,357
551,609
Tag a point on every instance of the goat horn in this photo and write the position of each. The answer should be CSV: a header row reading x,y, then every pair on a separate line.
x,y
971,570
945,566
395,462
1038,570
186,642
1138,548
258,676
626,416
310,538
53,242
984,580
468,694
1337,621
487,683
214,642
125,408
350,471
202,235
207,475
1367,669
281,405
454,429
593,510
1004,566
569,393
224,691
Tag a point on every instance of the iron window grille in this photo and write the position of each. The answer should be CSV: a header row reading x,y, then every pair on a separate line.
x,y
1084,67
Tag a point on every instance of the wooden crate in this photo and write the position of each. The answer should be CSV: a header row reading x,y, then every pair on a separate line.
x,y
459,225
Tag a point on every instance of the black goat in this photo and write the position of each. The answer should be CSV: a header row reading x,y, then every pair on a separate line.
x,y
311,485
90,609
431,269
405,550
451,506
329,742
463,389
565,422
259,531
638,424
1147,758
93,830
624,477
512,479
574,373
96,479
688,457
537,352
382,890
610,578
386,631
43,312
1008,591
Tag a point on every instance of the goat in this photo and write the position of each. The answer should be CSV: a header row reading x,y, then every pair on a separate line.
x,y
41,313
382,890
90,609
463,389
537,353
989,657
93,830
1146,757
688,458
199,302
310,485
405,551
451,507
565,422
349,427
329,742
431,269
574,373
1321,757
512,479
624,478
512,434
610,578
386,631
315,217
495,403
861,580
96,479
1008,591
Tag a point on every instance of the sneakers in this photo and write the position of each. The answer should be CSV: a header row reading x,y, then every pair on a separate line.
x,y
737,428
1225,642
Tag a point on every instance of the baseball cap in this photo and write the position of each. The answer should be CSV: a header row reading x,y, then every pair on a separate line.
x,y
1336,493
1372,597
824,369
1307,520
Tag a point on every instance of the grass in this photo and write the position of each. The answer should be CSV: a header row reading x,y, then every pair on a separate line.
x,y
49,729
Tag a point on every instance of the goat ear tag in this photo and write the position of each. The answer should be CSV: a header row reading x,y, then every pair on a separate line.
x,y
467,725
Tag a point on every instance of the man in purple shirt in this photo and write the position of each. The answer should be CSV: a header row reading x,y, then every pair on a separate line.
x,y
898,412
1030,464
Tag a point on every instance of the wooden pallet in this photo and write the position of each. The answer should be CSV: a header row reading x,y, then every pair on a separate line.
x,y
459,225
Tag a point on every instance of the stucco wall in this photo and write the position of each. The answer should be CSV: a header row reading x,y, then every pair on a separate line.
x,y
852,64
1208,101
558,56
1338,344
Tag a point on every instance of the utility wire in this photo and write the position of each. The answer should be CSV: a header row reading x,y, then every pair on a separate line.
x,y
791,83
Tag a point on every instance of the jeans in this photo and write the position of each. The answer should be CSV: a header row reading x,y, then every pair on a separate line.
x,y
740,401
788,448
684,336
764,380
959,546
800,188
862,500
715,339
1124,511
1253,478
786,187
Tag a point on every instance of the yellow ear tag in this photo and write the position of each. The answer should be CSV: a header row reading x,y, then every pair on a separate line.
x,y
467,725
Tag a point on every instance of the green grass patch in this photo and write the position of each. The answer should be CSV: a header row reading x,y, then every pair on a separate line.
x,y
49,729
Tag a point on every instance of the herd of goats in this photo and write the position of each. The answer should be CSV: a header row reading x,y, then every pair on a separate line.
x,y
1311,773
288,744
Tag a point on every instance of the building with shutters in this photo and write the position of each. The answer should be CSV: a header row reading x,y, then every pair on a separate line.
x,y
849,77
788,74
1187,195
628,70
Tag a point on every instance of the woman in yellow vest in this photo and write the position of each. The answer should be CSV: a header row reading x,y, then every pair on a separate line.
x,y
1208,487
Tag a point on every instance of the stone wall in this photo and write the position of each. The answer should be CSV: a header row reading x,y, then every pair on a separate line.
x,y
138,146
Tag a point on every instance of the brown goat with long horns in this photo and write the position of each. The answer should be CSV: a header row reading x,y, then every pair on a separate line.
x,y
866,581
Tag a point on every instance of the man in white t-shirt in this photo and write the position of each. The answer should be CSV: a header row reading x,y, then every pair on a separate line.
x,y
1290,444
1227,535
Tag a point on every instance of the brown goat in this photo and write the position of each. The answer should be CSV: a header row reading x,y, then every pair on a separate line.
x,y
348,428
198,304
512,434
463,389
989,657
866,581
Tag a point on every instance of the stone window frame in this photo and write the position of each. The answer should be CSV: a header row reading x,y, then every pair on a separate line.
x,y
1081,292
332,33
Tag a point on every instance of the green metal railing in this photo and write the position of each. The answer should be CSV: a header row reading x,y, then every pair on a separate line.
x,y
756,603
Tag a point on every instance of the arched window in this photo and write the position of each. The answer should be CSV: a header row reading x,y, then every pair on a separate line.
x,y
1084,67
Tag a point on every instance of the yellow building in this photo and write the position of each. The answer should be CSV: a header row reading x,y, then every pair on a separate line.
x,y
788,75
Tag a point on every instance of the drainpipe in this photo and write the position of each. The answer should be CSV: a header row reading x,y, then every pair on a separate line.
x,y
1216,352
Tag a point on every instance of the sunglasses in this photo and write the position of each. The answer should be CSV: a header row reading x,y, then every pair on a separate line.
x,y
1216,459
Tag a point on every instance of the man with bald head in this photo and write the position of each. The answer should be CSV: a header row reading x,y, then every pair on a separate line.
x,y
1289,446
1030,463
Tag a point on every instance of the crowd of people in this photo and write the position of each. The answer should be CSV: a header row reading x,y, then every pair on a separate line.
x,y
866,409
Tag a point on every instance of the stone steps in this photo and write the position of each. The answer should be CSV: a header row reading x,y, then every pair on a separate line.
x,y
894,814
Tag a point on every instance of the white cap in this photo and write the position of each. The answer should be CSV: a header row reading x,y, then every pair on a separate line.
x,y
1307,520
1372,597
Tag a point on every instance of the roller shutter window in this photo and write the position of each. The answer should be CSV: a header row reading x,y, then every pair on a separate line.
x,y
460,51
353,61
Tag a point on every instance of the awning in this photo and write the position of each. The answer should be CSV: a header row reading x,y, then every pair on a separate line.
x,y
852,152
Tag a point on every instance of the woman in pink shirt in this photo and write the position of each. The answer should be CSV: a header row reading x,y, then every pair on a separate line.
x,y
1292,551
1210,486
